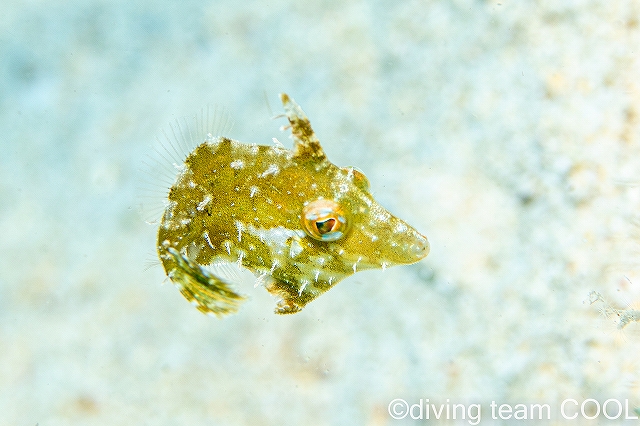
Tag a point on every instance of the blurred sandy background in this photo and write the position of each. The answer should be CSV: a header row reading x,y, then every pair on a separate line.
x,y
507,132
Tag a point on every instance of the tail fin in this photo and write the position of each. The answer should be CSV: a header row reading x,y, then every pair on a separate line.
x,y
208,292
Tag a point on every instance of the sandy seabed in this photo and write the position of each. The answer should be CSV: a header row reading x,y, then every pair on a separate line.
x,y
507,132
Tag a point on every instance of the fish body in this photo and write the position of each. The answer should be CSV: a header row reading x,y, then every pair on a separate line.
x,y
297,221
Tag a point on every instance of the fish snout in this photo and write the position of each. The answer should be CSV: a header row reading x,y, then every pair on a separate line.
x,y
410,247
420,247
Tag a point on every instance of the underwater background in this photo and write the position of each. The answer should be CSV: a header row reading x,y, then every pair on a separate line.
x,y
506,131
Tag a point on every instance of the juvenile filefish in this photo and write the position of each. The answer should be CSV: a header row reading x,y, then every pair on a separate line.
x,y
300,223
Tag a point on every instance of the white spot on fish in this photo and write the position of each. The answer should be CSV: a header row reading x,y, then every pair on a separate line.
x,y
275,237
253,191
205,234
383,216
302,287
400,228
237,164
295,249
204,203
271,170
355,264
240,227
227,245
350,173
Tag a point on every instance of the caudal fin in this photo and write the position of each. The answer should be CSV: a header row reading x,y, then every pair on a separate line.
x,y
209,293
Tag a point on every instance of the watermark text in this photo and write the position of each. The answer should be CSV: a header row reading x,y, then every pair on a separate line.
x,y
569,409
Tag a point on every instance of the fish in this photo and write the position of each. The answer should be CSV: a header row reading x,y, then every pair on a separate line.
x,y
300,223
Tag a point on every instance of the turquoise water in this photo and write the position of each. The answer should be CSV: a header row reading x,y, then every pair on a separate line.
x,y
505,132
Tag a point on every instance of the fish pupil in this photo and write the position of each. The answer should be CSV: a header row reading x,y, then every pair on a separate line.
x,y
325,226
324,220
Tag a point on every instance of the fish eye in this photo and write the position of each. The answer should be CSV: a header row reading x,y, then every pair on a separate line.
x,y
324,220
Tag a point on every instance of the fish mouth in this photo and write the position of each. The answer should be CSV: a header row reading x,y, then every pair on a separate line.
x,y
420,247
412,248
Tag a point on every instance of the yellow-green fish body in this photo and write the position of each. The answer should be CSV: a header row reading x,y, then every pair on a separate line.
x,y
293,218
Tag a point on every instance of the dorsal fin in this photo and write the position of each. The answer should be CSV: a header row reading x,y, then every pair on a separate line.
x,y
305,143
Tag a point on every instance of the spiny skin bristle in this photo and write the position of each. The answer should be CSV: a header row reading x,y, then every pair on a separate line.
x,y
623,317
151,261
167,155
